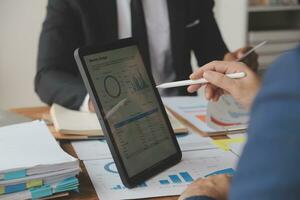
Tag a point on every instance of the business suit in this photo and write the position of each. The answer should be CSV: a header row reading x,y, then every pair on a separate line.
x,y
70,24
269,166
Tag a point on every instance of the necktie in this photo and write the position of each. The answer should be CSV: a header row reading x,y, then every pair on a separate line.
x,y
139,30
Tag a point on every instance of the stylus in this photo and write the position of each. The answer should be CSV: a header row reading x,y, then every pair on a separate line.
x,y
252,50
199,81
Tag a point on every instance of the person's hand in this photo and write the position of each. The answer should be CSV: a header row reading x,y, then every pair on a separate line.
x,y
243,90
251,60
91,106
216,187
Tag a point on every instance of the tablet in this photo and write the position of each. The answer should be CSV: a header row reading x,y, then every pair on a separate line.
x,y
129,109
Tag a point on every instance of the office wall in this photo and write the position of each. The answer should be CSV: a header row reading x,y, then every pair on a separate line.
x,y
20,25
232,19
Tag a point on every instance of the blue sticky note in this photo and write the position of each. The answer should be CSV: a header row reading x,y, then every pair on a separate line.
x,y
67,184
15,188
228,171
15,175
44,191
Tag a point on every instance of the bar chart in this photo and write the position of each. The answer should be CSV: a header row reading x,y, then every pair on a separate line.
x,y
194,165
182,177
122,187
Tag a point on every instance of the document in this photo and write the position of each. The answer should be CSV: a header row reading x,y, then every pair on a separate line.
x,y
98,149
193,109
34,141
195,164
224,116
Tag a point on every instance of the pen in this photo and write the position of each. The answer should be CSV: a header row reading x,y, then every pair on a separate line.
x,y
199,81
251,50
203,81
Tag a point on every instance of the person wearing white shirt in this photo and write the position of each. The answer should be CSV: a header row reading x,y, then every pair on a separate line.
x,y
169,31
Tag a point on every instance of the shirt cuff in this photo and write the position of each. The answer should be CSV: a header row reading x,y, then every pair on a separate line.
x,y
199,198
85,105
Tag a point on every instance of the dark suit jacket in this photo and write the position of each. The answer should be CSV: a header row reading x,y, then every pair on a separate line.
x,y
70,24
269,166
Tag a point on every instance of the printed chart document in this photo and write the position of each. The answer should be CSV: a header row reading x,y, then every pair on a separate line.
x,y
226,114
98,149
196,112
193,109
195,164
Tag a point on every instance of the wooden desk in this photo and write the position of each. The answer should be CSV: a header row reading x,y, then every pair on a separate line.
x,y
87,191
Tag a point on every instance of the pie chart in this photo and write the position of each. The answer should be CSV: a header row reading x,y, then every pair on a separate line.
x,y
112,86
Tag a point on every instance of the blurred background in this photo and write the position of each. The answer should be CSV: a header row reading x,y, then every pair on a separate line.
x,y
242,22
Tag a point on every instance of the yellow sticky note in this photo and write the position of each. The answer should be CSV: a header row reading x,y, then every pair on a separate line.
x,y
224,144
2,190
34,183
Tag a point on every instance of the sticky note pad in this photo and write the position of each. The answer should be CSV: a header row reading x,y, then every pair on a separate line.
x,y
34,183
2,190
224,144
15,188
44,191
15,175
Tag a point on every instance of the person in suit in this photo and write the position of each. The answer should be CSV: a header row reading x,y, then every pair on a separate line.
x,y
268,168
166,32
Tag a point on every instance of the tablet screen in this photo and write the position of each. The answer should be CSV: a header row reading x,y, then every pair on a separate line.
x,y
131,108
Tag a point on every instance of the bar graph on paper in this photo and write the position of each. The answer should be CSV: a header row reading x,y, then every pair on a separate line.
x,y
195,164
179,178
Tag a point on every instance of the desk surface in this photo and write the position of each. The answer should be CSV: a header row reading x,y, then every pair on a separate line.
x,y
87,191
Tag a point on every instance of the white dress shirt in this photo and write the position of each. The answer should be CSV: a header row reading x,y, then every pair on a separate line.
x,y
159,38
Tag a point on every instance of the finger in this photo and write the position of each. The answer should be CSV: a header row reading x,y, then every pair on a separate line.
x,y
197,74
242,51
217,95
214,90
230,57
219,66
194,88
220,80
208,92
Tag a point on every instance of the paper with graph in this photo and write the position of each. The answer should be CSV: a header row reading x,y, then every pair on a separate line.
x,y
194,164
98,149
226,114
209,118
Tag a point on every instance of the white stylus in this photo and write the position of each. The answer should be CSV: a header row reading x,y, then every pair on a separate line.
x,y
252,50
199,81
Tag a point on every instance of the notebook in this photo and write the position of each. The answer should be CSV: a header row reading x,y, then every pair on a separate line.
x,y
73,122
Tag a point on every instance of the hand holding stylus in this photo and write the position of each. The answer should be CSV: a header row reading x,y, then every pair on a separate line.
x,y
243,89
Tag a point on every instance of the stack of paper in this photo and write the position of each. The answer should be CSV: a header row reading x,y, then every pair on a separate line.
x,y
78,123
32,164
